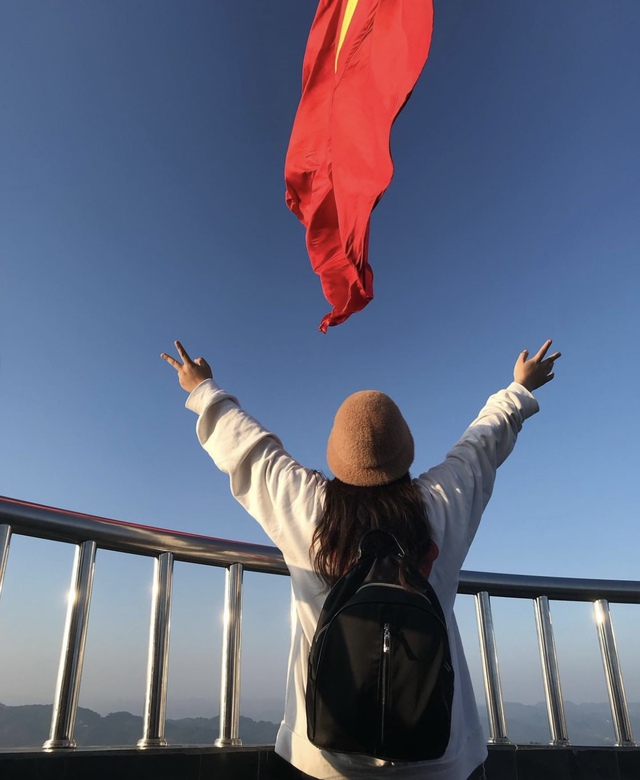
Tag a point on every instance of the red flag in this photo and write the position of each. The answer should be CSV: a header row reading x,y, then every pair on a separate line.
x,y
362,61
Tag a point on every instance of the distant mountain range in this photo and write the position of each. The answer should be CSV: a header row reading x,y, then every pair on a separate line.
x,y
28,726
587,724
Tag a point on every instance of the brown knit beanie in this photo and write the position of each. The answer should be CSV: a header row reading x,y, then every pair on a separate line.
x,y
370,442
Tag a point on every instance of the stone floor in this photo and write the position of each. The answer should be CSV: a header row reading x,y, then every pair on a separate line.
x,y
508,762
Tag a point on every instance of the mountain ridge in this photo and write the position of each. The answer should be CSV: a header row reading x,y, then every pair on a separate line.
x,y
28,725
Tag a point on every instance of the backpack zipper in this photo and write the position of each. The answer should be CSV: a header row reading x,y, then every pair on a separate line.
x,y
386,659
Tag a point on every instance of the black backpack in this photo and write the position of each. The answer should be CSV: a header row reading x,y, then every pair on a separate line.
x,y
380,680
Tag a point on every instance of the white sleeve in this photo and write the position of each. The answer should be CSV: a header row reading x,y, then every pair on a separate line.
x,y
274,488
459,489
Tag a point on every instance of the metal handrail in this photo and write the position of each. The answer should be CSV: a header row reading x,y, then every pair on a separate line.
x,y
57,525
527,586
90,533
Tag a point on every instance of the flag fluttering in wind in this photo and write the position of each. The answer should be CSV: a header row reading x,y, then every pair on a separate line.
x,y
362,61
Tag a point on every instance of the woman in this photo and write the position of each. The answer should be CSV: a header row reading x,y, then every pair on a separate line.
x,y
317,524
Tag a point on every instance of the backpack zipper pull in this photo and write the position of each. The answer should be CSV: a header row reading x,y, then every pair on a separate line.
x,y
386,660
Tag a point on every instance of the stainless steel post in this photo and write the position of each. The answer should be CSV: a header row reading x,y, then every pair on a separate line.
x,y
72,656
231,651
613,674
5,538
491,671
158,657
550,673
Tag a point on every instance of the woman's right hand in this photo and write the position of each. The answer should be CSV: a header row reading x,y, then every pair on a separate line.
x,y
537,371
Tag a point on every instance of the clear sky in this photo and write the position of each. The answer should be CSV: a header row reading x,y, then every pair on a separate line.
x,y
141,200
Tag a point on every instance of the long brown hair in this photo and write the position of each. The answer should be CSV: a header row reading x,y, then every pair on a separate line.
x,y
351,511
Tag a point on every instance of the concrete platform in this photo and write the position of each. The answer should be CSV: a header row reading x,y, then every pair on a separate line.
x,y
508,762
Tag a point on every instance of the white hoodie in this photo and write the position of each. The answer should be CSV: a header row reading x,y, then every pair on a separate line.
x,y
287,500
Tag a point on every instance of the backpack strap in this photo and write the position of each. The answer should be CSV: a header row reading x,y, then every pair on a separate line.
x,y
381,552
344,589
430,593
378,554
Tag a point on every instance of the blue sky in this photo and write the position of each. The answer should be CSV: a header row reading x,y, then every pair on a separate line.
x,y
141,200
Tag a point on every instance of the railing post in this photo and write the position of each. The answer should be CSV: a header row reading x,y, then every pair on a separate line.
x,y
550,673
5,538
231,650
613,674
491,671
72,655
158,654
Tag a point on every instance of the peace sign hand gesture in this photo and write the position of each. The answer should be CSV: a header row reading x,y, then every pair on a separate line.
x,y
190,372
535,372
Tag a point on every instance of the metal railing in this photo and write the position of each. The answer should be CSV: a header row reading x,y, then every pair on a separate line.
x,y
90,533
